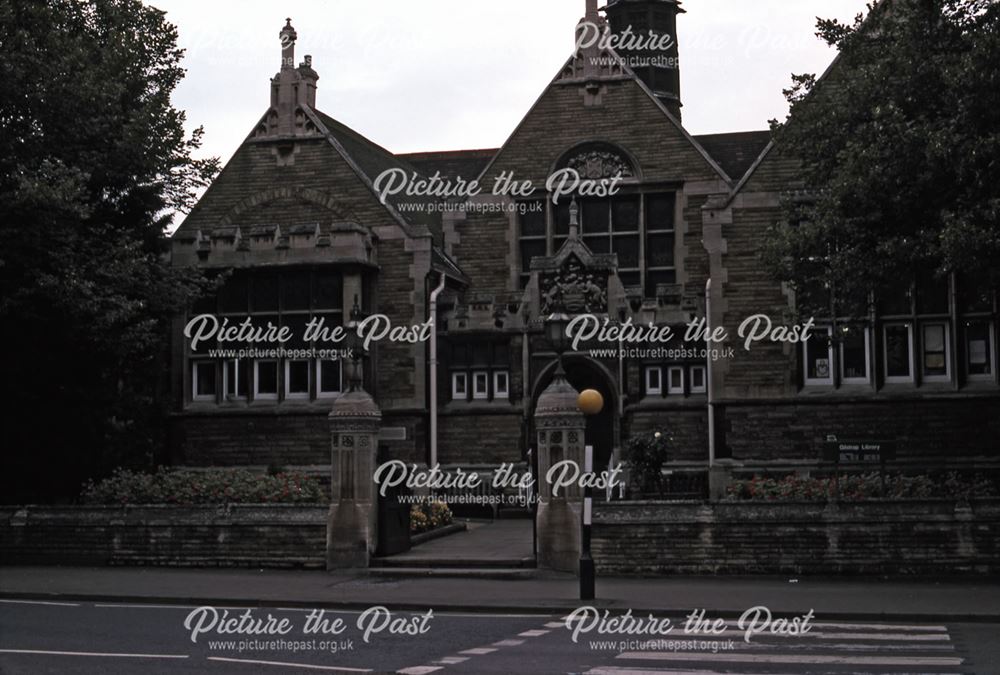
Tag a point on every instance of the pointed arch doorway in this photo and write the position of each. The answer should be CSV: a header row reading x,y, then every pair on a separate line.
x,y
604,429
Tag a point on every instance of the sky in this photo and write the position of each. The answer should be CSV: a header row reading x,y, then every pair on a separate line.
x,y
460,74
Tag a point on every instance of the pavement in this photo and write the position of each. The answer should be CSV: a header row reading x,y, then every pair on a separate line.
x,y
426,577
500,543
971,600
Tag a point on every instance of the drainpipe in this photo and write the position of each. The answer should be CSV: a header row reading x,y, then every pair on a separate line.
x,y
708,377
434,370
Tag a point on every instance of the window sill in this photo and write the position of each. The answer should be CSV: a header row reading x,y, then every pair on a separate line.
x,y
293,406
501,406
825,390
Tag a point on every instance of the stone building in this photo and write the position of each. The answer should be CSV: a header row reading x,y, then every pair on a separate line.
x,y
296,220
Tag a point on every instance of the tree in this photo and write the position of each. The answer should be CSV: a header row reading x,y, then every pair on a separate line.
x,y
94,160
900,152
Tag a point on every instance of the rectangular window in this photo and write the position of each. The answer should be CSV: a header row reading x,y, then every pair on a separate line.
x,y
934,349
286,298
265,380
659,242
699,384
640,229
264,296
328,380
898,352
675,381
818,354
234,379
480,385
979,353
459,386
203,380
654,385
854,355
233,294
501,384
532,236
295,293
328,292
296,379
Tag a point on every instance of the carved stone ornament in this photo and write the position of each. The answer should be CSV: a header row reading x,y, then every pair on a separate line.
x,y
574,289
600,163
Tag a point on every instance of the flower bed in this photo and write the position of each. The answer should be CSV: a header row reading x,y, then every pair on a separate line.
x,y
857,487
429,516
213,486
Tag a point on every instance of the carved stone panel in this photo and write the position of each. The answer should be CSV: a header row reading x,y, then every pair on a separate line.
x,y
574,289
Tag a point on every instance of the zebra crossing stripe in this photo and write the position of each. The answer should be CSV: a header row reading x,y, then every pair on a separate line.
x,y
617,670
478,651
797,659
823,635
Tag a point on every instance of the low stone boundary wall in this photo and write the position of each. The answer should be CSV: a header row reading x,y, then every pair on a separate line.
x,y
878,537
276,535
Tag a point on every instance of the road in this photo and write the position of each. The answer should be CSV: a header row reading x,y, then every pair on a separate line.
x,y
40,636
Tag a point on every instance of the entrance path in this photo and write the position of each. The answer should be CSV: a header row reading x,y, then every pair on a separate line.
x,y
500,543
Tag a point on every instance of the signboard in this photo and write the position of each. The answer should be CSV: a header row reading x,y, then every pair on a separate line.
x,y
859,452
392,434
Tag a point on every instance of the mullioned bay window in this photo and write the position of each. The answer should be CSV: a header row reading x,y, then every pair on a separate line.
x,y
638,226
286,298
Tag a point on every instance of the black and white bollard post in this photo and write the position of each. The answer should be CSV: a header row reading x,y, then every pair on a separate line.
x,y
586,561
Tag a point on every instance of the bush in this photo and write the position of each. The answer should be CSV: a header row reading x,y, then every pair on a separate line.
x,y
646,456
214,486
857,487
429,516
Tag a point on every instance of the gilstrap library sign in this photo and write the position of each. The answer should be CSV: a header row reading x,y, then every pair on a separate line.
x,y
859,452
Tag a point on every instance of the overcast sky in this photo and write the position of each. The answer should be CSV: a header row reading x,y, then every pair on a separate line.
x,y
453,74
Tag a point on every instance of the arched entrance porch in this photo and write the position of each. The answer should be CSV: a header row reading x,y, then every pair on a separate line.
x,y
582,372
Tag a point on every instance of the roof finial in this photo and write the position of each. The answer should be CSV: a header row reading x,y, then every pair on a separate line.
x,y
288,37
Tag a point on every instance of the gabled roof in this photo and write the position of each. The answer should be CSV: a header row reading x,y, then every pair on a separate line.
x,y
568,74
368,160
371,159
466,164
735,152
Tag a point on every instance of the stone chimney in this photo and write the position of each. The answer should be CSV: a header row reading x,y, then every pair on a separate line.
x,y
292,87
658,67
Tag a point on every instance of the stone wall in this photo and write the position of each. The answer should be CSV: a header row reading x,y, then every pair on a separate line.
x,y
485,434
275,535
257,437
933,430
685,423
878,537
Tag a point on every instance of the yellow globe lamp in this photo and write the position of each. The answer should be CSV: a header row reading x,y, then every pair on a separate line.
x,y
590,402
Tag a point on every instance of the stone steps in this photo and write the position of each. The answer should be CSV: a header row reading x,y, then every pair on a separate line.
x,y
455,572
428,562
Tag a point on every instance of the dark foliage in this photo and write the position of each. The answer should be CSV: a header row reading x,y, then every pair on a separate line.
x,y
94,160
